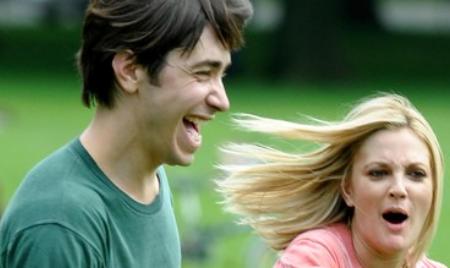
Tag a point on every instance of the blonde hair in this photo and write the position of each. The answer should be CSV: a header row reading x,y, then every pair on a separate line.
x,y
282,194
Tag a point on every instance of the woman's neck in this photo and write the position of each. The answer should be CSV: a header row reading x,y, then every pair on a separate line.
x,y
371,258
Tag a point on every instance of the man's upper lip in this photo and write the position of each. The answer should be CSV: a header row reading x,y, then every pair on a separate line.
x,y
199,117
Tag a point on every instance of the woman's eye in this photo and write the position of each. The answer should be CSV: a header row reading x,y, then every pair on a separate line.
x,y
378,173
417,174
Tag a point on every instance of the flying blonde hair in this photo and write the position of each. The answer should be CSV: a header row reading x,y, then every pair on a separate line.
x,y
283,194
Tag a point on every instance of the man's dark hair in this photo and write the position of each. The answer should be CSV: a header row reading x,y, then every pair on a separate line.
x,y
150,29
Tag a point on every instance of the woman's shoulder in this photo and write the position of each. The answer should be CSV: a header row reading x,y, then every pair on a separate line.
x,y
333,233
427,263
328,246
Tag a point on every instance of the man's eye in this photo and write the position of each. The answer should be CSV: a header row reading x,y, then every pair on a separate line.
x,y
203,73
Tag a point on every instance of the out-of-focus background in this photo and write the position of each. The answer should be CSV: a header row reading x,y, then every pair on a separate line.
x,y
301,57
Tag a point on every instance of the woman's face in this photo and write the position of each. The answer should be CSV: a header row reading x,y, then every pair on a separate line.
x,y
391,189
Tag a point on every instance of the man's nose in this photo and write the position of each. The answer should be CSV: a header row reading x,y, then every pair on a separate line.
x,y
218,96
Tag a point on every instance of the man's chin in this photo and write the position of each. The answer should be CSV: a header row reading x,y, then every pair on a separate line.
x,y
184,164
182,161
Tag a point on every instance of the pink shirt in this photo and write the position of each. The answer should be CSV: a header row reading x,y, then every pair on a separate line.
x,y
328,247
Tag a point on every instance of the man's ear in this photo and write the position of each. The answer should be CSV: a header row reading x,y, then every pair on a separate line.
x,y
346,190
124,67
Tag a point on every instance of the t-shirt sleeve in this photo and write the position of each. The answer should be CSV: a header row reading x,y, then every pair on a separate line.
x,y
306,253
49,246
427,263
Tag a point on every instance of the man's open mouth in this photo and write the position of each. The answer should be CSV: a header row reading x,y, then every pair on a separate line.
x,y
191,123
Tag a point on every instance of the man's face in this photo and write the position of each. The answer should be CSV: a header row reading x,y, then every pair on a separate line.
x,y
190,91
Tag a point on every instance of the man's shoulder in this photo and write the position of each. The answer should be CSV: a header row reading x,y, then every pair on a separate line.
x,y
72,208
68,247
75,217
62,178
55,191
60,161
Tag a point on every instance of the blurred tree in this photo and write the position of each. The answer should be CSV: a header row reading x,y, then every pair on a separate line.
x,y
63,12
361,13
307,43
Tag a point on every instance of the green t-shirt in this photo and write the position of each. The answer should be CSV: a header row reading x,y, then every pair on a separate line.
x,y
67,213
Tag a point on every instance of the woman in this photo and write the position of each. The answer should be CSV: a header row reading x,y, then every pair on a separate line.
x,y
368,196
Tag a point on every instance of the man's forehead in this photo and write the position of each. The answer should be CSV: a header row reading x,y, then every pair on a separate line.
x,y
209,49
196,58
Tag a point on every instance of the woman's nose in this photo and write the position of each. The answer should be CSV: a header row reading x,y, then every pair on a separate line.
x,y
398,188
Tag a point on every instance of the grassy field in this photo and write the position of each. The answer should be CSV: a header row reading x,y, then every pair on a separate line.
x,y
39,113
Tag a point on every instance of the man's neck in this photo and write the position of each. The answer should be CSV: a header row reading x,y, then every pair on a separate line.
x,y
113,145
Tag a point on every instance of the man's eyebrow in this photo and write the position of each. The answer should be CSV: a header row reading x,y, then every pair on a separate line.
x,y
211,63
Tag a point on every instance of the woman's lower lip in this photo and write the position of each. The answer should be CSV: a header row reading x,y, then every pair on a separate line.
x,y
396,227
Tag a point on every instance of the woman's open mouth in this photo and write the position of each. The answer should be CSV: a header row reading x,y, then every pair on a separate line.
x,y
395,218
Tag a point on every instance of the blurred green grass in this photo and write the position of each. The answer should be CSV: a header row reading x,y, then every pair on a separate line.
x,y
41,113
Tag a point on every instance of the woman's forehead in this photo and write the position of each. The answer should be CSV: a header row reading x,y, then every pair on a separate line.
x,y
401,146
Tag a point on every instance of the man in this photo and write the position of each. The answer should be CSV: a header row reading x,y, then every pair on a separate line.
x,y
153,70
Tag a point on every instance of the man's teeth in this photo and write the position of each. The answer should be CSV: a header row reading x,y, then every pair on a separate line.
x,y
194,120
